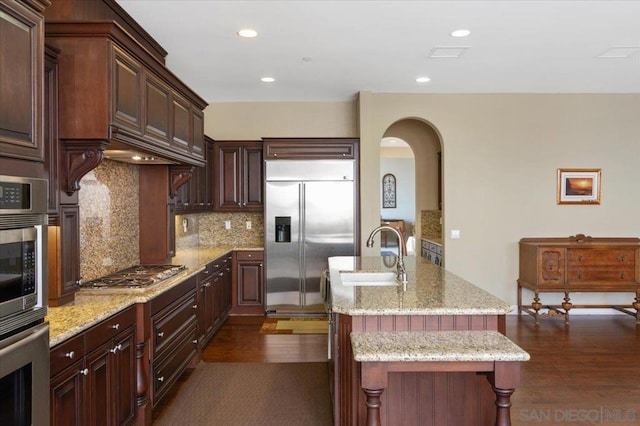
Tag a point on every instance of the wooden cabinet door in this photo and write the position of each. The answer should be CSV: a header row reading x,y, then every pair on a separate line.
x,y
197,133
100,382
250,291
70,245
127,91
252,176
206,307
227,285
181,124
157,103
22,70
124,360
67,397
227,191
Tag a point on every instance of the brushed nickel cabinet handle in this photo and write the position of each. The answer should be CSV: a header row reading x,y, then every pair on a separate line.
x,y
161,334
161,379
84,372
115,326
70,355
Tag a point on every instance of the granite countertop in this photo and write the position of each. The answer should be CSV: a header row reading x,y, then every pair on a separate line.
x,y
92,306
403,346
430,290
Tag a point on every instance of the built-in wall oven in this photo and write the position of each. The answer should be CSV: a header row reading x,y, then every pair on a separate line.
x,y
24,334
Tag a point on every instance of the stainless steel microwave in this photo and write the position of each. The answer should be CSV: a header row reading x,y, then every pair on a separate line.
x,y
23,237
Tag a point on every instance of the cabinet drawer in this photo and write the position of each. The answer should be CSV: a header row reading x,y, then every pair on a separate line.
x,y
108,328
170,322
601,274
66,353
250,255
600,257
167,369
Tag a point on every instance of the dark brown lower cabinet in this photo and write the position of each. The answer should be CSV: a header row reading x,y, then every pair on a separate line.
x,y
248,295
215,297
174,336
98,388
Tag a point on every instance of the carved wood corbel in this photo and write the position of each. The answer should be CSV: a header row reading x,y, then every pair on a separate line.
x,y
80,157
178,176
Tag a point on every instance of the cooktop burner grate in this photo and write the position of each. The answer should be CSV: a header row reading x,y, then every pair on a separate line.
x,y
139,276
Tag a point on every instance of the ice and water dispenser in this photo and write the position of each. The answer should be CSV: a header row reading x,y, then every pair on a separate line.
x,y
283,229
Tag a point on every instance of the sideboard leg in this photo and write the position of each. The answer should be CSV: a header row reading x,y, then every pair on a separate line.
x,y
636,306
373,406
536,305
503,406
566,305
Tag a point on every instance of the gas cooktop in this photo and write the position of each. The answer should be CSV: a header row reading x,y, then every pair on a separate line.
x,y
140,276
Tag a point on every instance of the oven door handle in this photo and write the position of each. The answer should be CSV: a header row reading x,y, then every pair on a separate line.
x,y
11,347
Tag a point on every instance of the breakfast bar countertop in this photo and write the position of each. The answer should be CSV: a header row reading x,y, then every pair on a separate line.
x,y
430,290
90,307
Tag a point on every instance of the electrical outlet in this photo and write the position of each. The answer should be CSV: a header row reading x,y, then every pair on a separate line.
x,y
227,224
248,224
455,234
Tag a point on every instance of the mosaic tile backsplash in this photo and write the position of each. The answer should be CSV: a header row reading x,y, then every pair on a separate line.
x,y
109,227
207,230
431,226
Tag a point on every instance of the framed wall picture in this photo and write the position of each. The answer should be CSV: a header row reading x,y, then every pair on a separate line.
x,y
388,191
578,186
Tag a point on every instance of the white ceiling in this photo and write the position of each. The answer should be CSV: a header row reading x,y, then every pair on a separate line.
x,y
382,46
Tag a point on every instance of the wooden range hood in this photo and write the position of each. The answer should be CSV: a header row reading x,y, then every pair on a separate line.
x,y
115,92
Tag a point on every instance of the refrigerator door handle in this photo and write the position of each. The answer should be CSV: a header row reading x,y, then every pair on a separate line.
x,y
301,242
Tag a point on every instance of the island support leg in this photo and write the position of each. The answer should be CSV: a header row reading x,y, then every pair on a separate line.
x,y
373,406
503,406
504,379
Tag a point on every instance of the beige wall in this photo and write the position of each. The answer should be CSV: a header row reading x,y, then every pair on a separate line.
x,y
500,156
252,121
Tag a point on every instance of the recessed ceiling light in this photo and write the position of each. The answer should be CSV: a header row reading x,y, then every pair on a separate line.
x,y
423,79
136,157
247,33
460,33
267,79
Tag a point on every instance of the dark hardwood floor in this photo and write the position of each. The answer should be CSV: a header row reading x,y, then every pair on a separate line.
x,y
586,373
239,340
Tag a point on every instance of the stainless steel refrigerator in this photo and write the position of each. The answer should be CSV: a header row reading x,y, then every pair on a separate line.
x,y
309,217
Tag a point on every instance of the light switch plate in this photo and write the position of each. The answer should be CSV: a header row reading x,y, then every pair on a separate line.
x,y
248,224
227,224
455,234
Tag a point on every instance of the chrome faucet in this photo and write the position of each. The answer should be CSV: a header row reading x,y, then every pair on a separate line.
x,y
402,249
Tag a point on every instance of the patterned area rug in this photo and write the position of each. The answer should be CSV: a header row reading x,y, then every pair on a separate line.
x,y
248,394
295,326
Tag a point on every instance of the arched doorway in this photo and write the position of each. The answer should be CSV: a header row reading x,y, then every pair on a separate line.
x,y
426,147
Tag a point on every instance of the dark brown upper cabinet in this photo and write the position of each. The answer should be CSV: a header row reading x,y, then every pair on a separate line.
x,y
21,84
238,176
115,87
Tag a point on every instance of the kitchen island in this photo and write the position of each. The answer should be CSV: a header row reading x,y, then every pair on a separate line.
x,y
434,300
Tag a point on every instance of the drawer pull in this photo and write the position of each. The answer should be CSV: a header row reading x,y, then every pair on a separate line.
x,y
580,258
221,274
70,355
195,341
208,284
623,258
206,272
161,379
116,348
249,255
84,372
115,326
579,275
622,275
195,306
161,334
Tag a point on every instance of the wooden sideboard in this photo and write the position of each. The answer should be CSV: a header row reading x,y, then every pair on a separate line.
x,y
579,263
395,223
